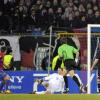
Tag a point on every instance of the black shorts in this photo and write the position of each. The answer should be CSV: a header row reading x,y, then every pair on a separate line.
x,y
70,64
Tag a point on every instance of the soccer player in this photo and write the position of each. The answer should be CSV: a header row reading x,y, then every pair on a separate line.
x,y
3,76
66,52
53,83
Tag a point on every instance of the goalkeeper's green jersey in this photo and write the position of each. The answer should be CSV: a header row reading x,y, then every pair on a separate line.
x,y
66,51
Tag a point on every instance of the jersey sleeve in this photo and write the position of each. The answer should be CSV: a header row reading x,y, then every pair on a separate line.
x,y
51,76
47,78
75,50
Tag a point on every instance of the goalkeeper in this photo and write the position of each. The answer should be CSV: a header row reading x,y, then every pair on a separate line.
x,y
66,52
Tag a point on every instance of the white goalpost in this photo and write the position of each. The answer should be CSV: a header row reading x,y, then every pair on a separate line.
x,y
89,31
89,61
50,41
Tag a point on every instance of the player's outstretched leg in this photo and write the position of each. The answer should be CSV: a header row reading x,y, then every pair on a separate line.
x,y
77,80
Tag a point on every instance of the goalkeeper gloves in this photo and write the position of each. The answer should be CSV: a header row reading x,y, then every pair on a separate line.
x,y
76,60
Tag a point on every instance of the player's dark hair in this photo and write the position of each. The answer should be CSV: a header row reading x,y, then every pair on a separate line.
x,y
63,40
3,49
9,50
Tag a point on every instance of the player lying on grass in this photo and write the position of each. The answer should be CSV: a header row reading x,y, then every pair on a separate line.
x,y
53,83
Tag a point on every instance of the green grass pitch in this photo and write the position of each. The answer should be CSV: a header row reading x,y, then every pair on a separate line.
x,y
49,97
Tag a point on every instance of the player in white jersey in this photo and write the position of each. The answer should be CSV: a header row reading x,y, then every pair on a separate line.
x,y
53,83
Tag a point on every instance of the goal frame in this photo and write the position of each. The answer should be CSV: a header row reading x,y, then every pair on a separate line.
x,y
89,27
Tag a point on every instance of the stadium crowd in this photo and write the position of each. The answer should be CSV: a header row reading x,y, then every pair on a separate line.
x,y
26,15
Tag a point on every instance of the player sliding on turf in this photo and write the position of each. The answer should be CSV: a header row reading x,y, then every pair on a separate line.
x,y
53,83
